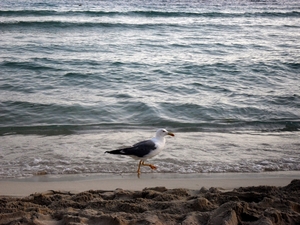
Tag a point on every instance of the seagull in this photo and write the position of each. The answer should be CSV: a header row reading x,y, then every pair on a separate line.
x,y
145,149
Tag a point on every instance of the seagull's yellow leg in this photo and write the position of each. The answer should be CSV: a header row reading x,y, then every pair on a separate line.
x,y
139,168
142,163
150,165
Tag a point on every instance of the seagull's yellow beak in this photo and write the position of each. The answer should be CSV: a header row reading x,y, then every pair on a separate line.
x,y
171,134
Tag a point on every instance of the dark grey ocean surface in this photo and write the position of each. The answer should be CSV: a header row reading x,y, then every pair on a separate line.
x,y
78,78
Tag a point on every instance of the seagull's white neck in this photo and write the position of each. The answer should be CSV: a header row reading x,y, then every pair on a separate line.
x,y
160,139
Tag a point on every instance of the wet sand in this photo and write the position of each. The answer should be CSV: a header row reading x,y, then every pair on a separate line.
x,y
264,198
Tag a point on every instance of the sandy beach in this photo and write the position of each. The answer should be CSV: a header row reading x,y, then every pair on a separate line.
x,y
263,198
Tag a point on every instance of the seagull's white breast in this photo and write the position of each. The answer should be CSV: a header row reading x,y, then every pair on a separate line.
x,y
159,144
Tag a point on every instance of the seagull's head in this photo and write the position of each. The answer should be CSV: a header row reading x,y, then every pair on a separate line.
x,y
163,132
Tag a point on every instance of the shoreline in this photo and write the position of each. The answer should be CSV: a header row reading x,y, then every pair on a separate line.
x,y
82,182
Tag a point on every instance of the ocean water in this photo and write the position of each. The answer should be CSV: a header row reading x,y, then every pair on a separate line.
x,y
79,78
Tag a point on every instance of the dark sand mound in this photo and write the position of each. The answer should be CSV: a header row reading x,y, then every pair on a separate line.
x,y
243,206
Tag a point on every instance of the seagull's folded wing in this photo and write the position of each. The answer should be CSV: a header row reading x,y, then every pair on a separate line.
x,y
140,149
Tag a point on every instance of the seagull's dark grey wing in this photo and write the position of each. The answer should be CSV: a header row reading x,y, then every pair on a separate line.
x,y
139,149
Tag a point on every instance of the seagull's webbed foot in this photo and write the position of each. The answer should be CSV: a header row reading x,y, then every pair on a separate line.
x,y
150,165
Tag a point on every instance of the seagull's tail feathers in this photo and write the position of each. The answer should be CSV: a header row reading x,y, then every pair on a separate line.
x,y
117,152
